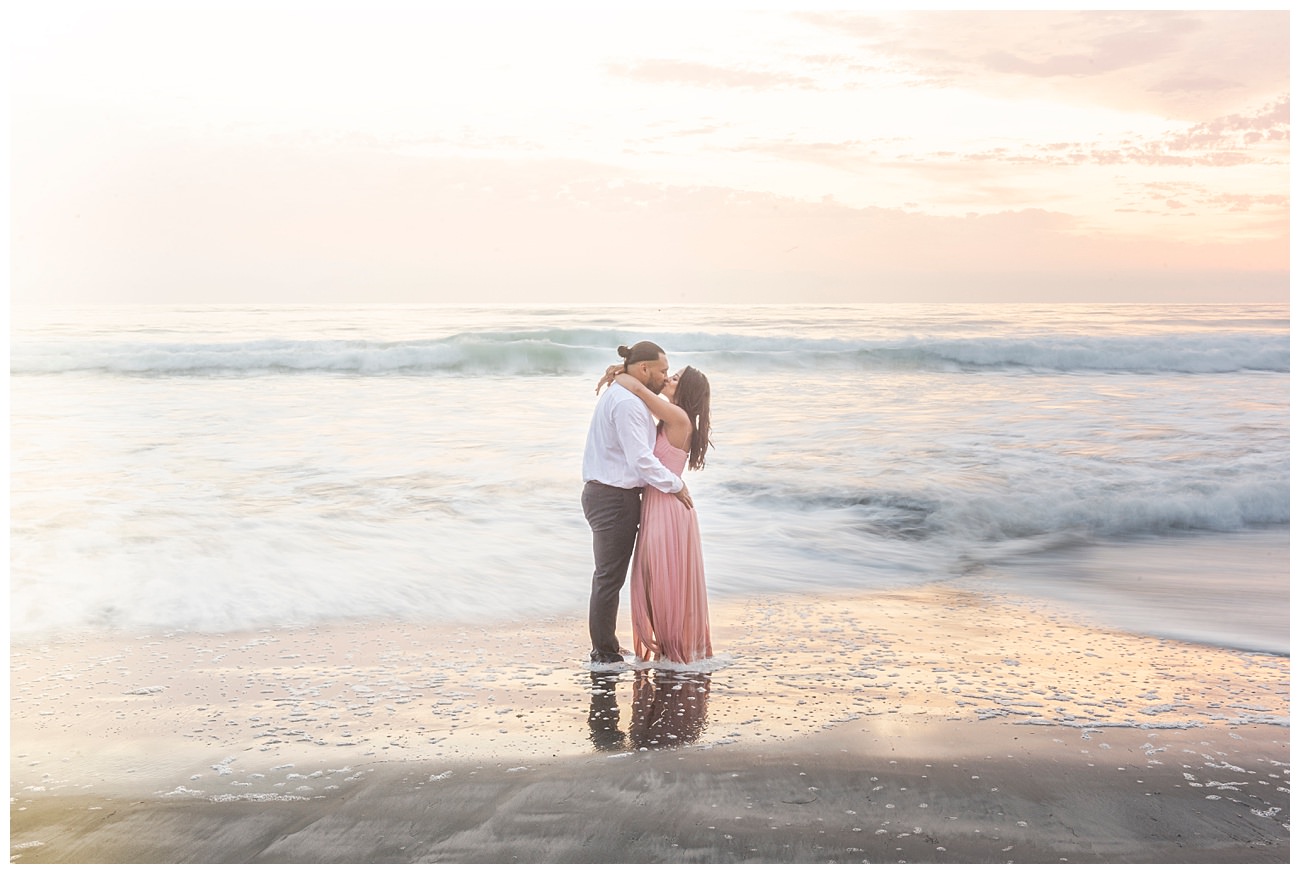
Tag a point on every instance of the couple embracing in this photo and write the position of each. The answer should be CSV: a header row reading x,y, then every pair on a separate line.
x,y
633,471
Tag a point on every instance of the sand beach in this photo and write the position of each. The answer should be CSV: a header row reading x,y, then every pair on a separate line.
x,y
931,725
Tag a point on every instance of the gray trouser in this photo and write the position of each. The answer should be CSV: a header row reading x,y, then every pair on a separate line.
x,y
614,515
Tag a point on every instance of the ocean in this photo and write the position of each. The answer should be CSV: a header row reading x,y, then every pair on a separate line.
x,y
223,468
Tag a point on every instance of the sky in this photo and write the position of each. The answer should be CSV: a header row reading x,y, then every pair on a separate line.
x,y
341,152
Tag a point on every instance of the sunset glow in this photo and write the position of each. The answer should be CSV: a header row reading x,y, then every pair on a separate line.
x,y
418,153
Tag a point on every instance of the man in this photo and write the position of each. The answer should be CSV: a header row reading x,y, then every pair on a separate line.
x,y
617,464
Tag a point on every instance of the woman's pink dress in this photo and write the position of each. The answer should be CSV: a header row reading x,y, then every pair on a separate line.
x,y
670,610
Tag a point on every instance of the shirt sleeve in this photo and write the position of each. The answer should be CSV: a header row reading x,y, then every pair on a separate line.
x,y
634,426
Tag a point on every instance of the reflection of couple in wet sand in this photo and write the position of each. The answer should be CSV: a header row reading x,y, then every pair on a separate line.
x,y
669,709
632,469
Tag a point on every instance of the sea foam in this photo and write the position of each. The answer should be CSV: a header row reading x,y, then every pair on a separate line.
x,y
555,351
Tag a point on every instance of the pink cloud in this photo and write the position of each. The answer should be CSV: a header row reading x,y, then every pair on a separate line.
x,y
281,224
1154,61
1194,84
1124,43
845,155
1234,140
699,75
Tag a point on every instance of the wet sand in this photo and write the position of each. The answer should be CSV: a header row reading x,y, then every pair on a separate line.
x,y
920,726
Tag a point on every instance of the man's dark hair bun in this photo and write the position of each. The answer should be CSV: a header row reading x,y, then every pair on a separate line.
x,y
643,351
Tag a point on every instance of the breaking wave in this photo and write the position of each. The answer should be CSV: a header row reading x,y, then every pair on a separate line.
x,y
565,351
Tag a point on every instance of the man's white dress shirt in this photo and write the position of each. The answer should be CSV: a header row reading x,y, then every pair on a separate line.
x,y
620,445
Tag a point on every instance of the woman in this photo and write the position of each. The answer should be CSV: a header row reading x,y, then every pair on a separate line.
x,y
670,609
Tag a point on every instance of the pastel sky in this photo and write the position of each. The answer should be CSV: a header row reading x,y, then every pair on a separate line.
x,y
282,152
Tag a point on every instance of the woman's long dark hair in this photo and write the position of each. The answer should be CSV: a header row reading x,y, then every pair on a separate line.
x,y
693,397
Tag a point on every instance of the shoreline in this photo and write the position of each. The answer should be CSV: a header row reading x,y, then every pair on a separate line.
x,y
396,742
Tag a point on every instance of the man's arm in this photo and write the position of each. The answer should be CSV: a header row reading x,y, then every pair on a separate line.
x,y
633,422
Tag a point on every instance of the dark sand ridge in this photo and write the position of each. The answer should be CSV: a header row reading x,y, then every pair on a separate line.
x,y
931,725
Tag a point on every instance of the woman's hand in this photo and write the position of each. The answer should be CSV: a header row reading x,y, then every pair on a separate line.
x,y
608,379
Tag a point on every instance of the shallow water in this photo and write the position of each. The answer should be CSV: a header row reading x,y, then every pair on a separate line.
x,y
223,469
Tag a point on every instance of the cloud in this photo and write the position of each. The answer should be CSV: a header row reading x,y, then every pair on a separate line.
x,y
1122,44
700,75
1142,61
282,225
1239,130
844,155
1194,84
1244,138
512,159
1158,197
